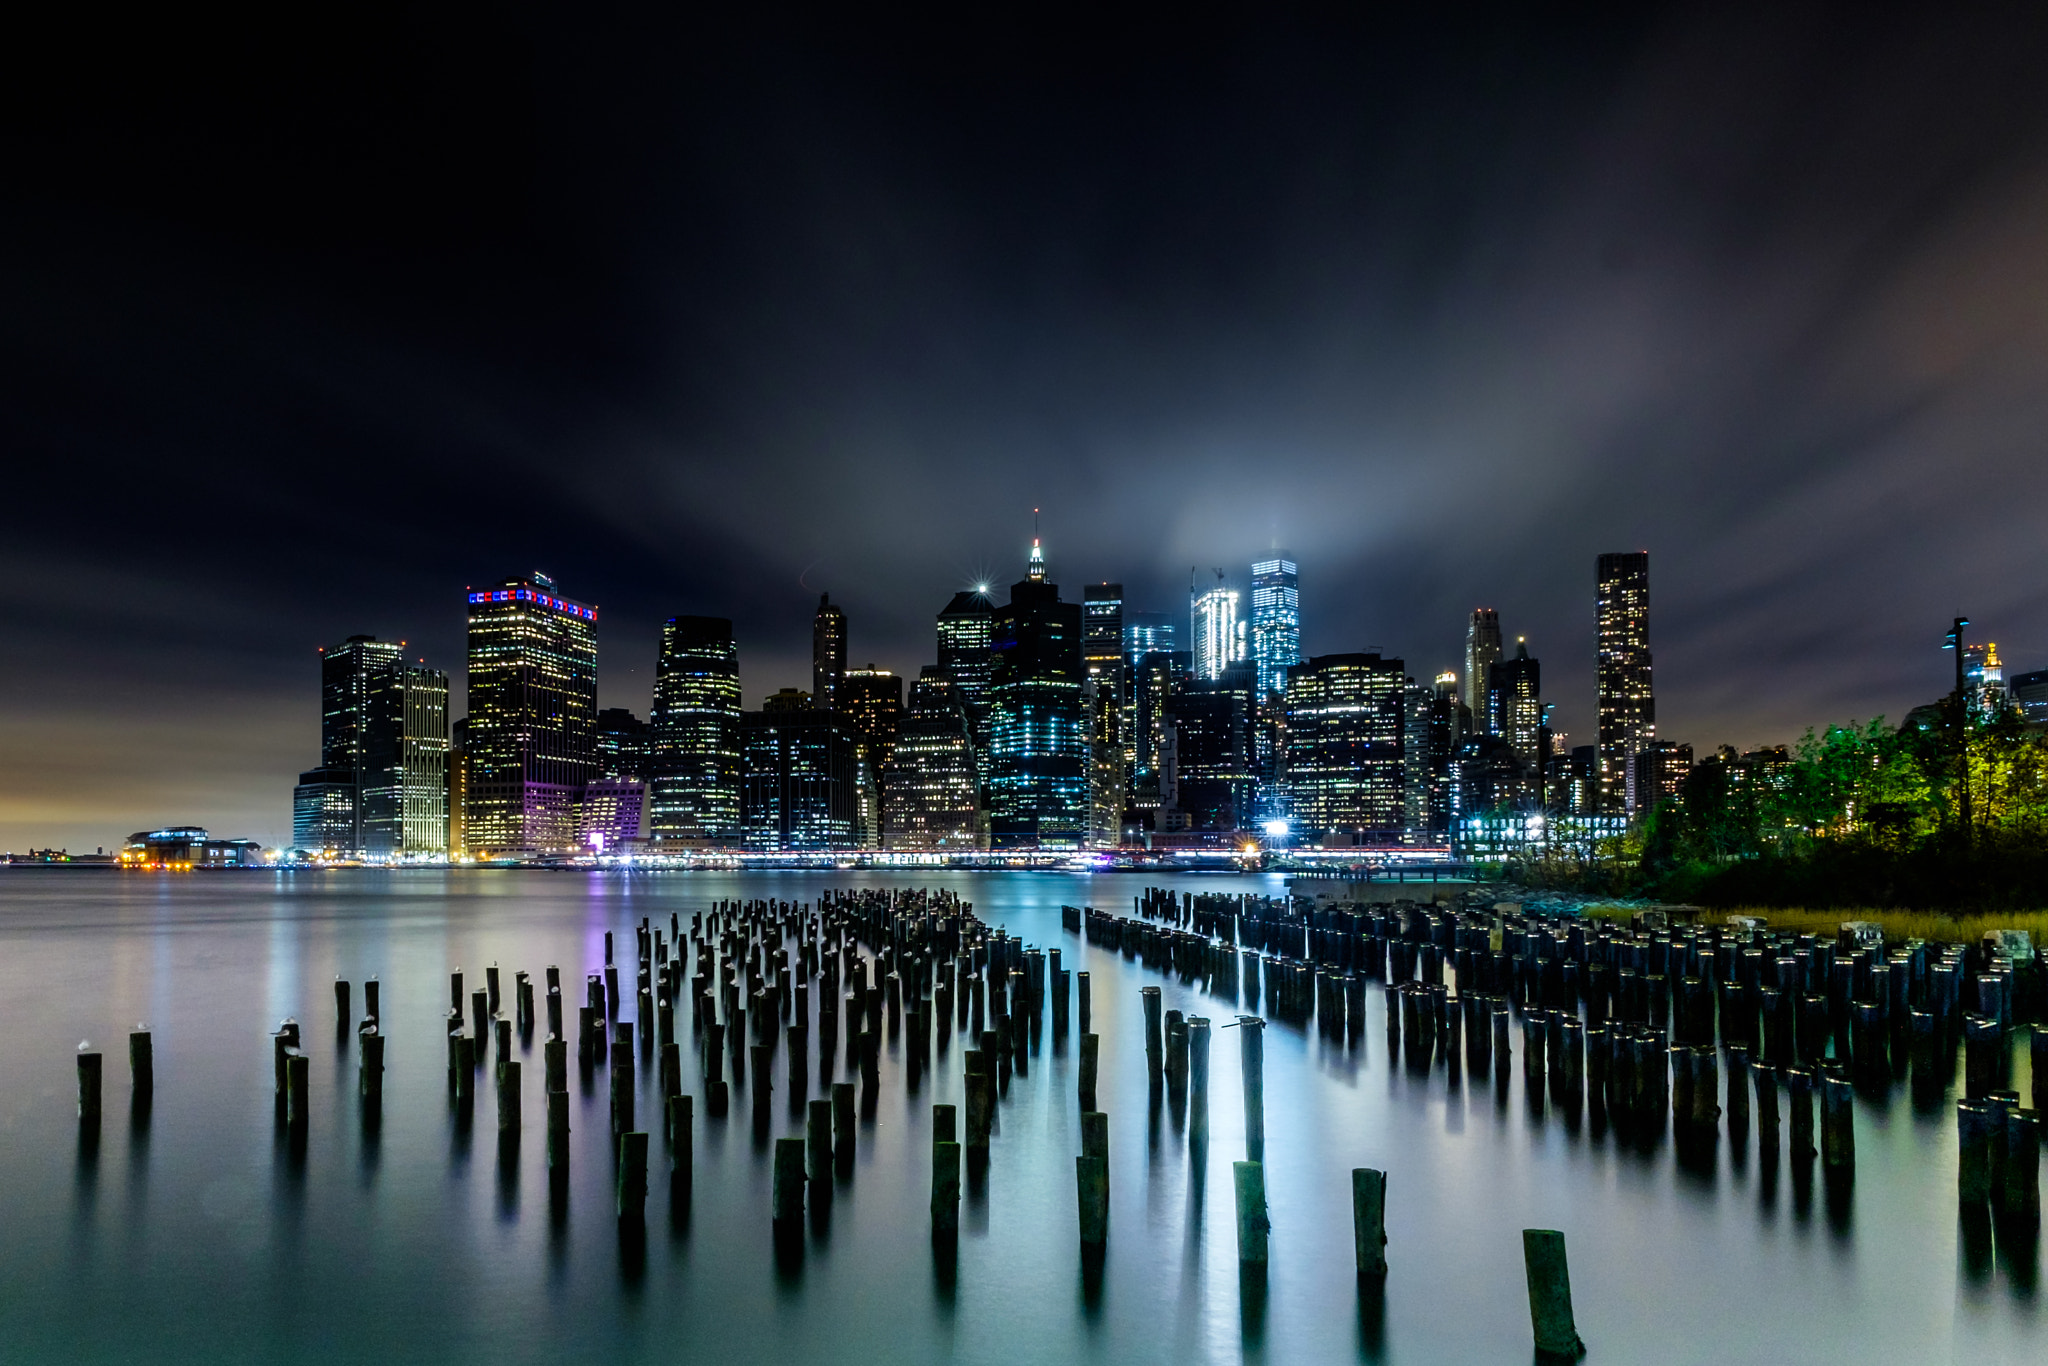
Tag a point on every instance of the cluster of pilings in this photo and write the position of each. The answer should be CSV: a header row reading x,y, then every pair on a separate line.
x,y
1715,1027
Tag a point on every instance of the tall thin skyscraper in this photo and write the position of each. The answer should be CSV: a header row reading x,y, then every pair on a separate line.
x,y
694,732
964,653
1109,713
1482,652
1514,703
1038,732
532,741
1218,635
1276,620
828,653
1628,708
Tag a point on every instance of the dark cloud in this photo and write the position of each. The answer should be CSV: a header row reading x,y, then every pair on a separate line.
x,y
304,329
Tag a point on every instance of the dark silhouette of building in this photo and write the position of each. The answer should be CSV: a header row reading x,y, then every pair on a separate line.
x,y
1482,651
622,744
381,789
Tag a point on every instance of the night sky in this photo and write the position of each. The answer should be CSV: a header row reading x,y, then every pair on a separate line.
x,y
310,322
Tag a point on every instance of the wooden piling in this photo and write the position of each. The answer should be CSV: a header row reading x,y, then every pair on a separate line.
x,y
1838,1123
1248,1180
1550,1295
818,1140
787,1192
1090,1062
682,1153
632,1185
508,1097
141,1064
558,1131
341,1004
945,1186
843,1124
1252,1060
1091,1189
371,1007
1369,1221
1198,1081
1973,1154
2021,1170
298,1093
370,1068
1095,1140
1799,1082
1154,1043
88,1088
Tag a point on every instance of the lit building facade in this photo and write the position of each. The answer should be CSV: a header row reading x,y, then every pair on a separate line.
x,y
694,734
1111,753
531,743
611,814
1482,652
930,788
1344,748
1276,621
1514,703
1038,722
964,625
1660,769
828,653
799,775
1216,633
381,789
1627,706
1148,633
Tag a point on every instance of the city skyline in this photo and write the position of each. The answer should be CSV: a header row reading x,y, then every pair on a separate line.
x,y
834,317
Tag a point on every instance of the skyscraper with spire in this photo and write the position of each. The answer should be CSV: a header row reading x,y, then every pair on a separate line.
x,y
1038,718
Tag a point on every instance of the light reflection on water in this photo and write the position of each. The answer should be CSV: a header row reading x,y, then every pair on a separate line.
x,y
206,1237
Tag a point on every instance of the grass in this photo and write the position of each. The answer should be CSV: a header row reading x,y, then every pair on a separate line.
x,y
1898,925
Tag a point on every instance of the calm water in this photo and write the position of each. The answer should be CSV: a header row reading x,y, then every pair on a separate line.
x,y
204,1239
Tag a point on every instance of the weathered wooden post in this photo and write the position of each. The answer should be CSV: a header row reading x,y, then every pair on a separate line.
x,y
88,1088
1973,1154
1252,1055
632,1185
1369,1221
370,1003
842,1125
340,1005
1089,1070
945,1180
818,1141
1800,1082
2021,1170
1095,1139
763,1086
1154,1044
1838,1123
1550,1295
370,1069
298,1093
682,1155
787,1191
558,1131
1081,989
508,1097
141,1065
1249,1182
1198,1081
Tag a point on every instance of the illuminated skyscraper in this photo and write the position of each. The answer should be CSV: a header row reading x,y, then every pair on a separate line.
x,y
871,700
930,791
1344,748
1628,709
694,733
1514,703
1660,771
1276,620
1482,652
1109,713
1147,633
1218,635
799,783
532,718
828,653
381,788
964,654
1038,723
1984,677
